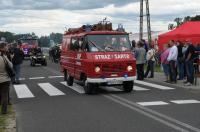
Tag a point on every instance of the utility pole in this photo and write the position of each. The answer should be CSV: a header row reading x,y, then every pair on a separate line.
x,y
142,19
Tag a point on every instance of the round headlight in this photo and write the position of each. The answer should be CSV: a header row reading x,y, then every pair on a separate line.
x,y
97,69
129,68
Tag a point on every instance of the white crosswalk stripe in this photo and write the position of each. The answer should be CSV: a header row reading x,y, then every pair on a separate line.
x,y
23,91
192,101
36,78
50,89
75,87
55,76
136,88
153,85
152,103
22,79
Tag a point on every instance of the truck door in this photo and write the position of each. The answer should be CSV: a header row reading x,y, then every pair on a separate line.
x,y
78,58
72,54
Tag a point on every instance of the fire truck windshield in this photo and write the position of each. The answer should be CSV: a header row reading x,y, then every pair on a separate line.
x,y
108,43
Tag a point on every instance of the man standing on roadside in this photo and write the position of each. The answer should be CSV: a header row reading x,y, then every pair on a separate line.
x,y
180,60
17,61
140,54
172,59
189,60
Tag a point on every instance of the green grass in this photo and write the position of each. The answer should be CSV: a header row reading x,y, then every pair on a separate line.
x,y
3,118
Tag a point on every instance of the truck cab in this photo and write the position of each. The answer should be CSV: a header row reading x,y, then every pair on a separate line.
x,y
98,58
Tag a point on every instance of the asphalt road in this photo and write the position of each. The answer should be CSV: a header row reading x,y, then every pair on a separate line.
x,y
44,104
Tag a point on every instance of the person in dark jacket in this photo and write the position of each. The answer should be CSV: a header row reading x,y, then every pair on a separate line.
x,y
180,60
17,61
189,60
145,45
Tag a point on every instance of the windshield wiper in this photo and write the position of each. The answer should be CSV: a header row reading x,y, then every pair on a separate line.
x,y
99,48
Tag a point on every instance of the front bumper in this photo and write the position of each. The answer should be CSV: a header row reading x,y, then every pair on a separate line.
x,y
107,80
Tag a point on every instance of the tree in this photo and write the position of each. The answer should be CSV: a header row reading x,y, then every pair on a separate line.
x,y
171,26
178,21
56,37
187,18
44,41
8,36
196,18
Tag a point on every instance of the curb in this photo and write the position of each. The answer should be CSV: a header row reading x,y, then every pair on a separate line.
x,y
178,85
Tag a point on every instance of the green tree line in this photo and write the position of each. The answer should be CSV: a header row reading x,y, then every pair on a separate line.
x,y
179,21
44,41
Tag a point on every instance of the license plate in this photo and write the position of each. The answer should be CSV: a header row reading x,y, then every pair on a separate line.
x,y
113,82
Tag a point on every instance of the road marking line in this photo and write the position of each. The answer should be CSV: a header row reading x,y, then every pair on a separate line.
x,y
50,89
185,101
153,114
141,110
153,85
152,103
35,78
75,87
23,91
136,88
55,76
21,79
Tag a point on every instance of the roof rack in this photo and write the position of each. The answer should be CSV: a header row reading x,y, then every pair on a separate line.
x,y
101,26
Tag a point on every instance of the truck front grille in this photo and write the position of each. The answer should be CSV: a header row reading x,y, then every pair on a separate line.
x,y
113,68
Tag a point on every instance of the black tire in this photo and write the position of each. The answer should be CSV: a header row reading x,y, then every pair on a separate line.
x,y
90,88
44,63
69,79
65,75
128,86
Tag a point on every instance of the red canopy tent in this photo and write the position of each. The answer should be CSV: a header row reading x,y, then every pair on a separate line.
x,y
188,30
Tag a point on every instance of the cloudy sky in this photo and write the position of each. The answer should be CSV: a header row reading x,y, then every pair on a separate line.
x,y
46,16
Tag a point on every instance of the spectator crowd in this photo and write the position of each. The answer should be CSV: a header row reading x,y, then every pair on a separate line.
x,y
177,60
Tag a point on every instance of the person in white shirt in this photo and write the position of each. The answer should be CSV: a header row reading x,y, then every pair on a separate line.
x,y
172,59
150,62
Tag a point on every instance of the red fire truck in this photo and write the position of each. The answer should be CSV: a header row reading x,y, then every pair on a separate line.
x,y
98,56
28,43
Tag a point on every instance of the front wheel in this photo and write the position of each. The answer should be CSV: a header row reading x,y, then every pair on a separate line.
x,y
128,86
91,88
